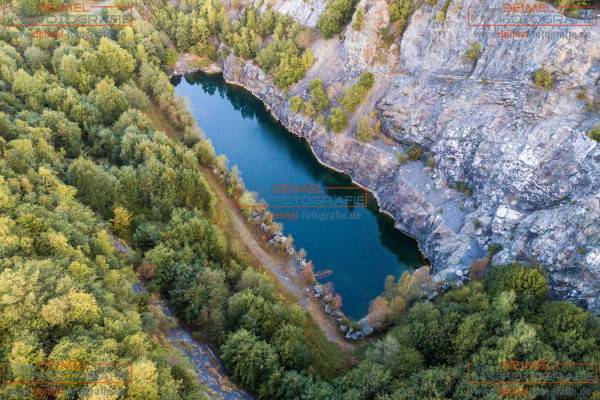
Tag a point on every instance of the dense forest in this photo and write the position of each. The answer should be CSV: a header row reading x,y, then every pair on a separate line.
x,y
83,163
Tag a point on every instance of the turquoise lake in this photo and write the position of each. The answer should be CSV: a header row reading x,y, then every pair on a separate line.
x,y
321,208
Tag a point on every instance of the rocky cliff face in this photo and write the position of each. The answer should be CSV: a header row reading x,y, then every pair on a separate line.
x,y
522,151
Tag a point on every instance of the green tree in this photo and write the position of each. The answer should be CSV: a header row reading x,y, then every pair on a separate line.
x,y
367,380
109,100
337,120
568,328
95,186
356,93
291,347
250,360
205,303
115,61
122,221
318,95
145,387
65,134
528,282
400,12
335,16
359,17
363,130
469,335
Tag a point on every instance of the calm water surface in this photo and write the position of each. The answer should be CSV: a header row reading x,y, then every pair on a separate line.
x,y
359,244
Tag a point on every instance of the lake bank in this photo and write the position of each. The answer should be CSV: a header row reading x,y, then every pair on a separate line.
x,y
338,223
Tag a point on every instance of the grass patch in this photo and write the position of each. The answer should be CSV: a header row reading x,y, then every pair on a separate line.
x,y
325,357
161,122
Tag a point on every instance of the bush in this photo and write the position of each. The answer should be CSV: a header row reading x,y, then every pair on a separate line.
x,y
366,80
363,130
441,15
400,12
431,163
543,79
356,93
318,95
528,282
472,53
401,158
494,249
463,187
337,120
309,110
414,152
296,104
359,17
336,15
595,133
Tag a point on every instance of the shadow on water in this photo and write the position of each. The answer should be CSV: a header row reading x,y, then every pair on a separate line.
x,y
360,244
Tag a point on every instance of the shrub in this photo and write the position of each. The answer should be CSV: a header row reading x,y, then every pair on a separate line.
x,y
309,110
359,17
528,282
494,249
356,93
363,130
431,163
296,104
337,120
478,268
386,36
414,152
401,158
400,12
543,79
336,15
318,95
441,15
366,80
595,133
472,53
463,187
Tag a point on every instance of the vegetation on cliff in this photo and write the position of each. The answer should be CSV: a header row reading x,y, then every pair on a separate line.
x,y
277,43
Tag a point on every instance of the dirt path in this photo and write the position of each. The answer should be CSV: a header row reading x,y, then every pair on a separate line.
x,y
277,264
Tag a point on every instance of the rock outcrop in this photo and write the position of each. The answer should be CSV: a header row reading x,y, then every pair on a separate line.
x,y
521,151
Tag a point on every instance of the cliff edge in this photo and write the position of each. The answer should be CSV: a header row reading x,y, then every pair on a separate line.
x,y
528,174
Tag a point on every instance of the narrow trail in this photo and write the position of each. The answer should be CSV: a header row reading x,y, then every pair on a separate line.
x,y
209,368
277,264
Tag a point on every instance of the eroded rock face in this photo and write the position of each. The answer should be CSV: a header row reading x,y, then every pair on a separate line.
x,y
304,11
522,151
363,49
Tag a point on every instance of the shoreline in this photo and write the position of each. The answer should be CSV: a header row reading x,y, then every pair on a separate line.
x,y
343,322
